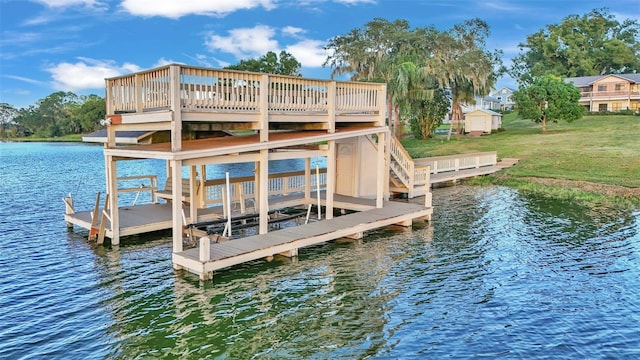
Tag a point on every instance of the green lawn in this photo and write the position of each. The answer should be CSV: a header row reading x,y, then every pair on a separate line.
x,y
598,149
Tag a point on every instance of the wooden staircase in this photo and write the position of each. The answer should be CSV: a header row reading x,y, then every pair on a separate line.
x,y
405,176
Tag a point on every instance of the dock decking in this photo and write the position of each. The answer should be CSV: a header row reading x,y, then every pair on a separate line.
x,y
229,253
145,218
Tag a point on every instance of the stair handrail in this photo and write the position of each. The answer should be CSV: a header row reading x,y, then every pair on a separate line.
x,y
406,169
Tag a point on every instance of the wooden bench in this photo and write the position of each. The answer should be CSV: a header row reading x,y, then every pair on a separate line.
x,y
167,193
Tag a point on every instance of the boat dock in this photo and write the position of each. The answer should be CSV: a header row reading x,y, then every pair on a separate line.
x,y
193,117
409,176
211,256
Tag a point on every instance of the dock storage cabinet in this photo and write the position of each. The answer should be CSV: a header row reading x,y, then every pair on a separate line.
x,y
355,167
482,121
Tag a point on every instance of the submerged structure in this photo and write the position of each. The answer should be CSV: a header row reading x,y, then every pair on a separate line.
x,y
207,116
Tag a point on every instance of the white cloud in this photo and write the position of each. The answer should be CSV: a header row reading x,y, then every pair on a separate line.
x,y
25,79
309,53
175,9
292,31
86,73
69,3
244,42
355,2
19,38
254,42
163,62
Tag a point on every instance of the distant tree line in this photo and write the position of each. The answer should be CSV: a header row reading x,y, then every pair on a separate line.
x,y
428,72
592,44
59,114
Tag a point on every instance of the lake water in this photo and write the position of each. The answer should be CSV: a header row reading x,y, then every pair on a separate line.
x,y
496,274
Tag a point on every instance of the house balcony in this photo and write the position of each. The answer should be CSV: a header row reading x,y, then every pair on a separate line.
x,y
214,99
587,96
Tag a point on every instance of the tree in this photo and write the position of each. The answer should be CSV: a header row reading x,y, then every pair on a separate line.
x,y
548,98
375,52
592,44
459,62
7,114
426,115
270,63
60,113
410,60
89,113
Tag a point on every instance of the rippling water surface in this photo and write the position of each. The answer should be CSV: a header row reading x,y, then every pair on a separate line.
x,y
496,274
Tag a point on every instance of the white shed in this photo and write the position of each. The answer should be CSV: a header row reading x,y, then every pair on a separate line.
x,y
482,121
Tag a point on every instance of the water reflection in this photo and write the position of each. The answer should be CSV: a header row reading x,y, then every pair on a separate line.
x,y
498,273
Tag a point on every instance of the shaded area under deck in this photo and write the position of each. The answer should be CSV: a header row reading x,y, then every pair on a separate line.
x,y
146,218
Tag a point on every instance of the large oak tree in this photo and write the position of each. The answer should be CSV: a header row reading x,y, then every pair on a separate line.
x,y
592,44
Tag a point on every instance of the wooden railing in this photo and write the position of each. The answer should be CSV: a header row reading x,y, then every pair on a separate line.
x,y
439,164
401,163
242,189
405,168
205,89
143,183
634,94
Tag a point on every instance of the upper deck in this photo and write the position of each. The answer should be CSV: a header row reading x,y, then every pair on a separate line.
x,y
214,99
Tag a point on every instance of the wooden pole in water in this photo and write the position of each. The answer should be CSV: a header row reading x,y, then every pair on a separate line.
x,y
228,205
318,192
68,204
264,191
331,179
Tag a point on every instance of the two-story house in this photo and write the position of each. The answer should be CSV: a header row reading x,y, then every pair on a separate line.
x,y
613,92
504,96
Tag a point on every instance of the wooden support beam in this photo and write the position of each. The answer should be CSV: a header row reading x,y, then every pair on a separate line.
x,y
103,220
176,108
264,108
289,253
263,185
381,170
194,194
112,192
176,204
307,180
331,179
331,106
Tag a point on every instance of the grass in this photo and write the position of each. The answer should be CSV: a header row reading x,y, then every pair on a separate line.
x,y
66,138
594,149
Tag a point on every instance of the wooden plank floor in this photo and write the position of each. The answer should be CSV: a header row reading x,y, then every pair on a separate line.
x,y
250,248
463,174
145,218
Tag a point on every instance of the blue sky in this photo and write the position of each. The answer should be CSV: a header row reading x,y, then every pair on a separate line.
x,y
72,45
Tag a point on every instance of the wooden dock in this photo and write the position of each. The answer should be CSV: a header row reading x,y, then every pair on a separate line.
x,y
414,176
288,241
282,118
140,219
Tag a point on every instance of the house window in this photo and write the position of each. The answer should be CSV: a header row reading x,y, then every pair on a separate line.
x,y
602,107
615,107
602,87
619,87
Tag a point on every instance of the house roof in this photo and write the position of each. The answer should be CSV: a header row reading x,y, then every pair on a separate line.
x,y
582,81
123,137
485,111
499,92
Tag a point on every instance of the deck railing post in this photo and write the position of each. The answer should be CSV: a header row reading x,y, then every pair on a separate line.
x,y
138,93
331,110
176,108
205,249
381,103
264,108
